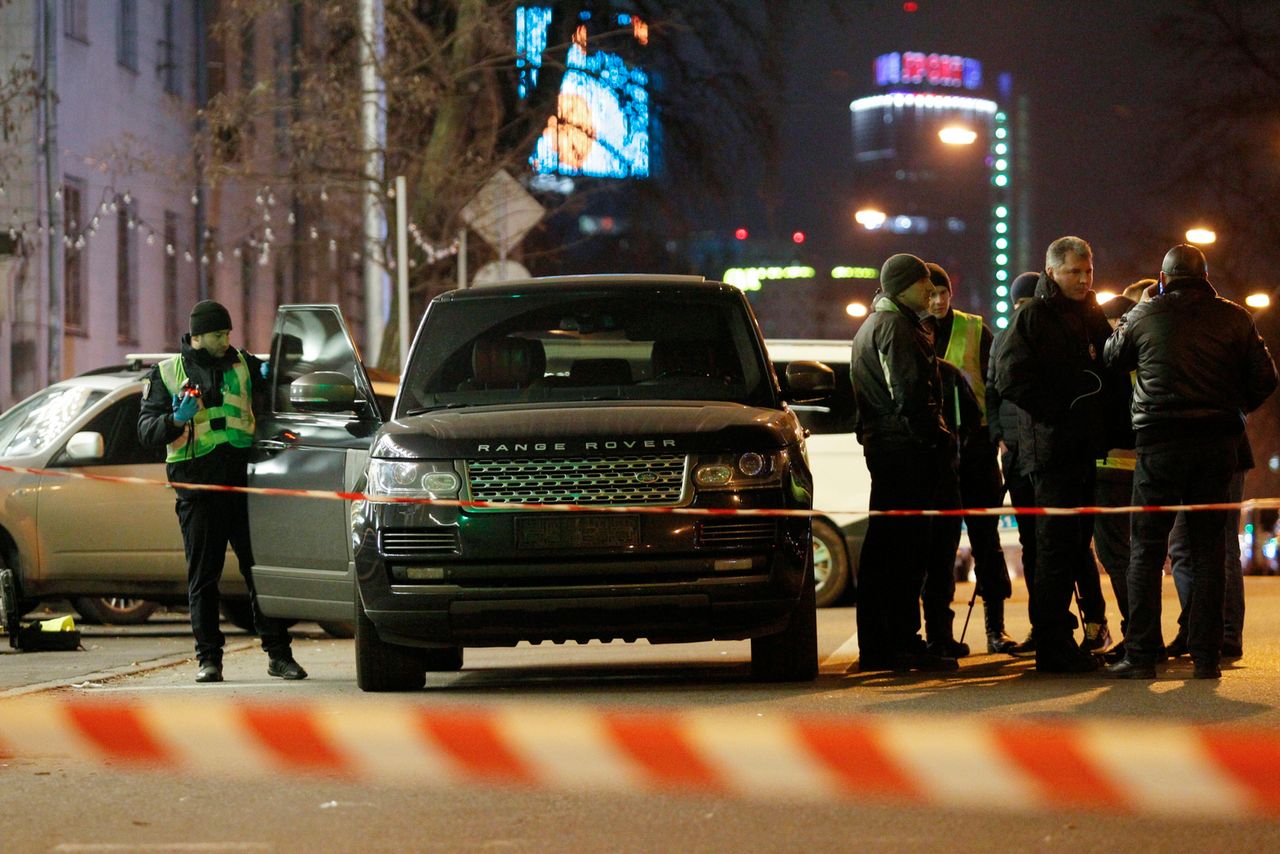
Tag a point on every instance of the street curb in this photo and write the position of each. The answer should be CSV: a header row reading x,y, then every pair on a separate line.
x,y
112,673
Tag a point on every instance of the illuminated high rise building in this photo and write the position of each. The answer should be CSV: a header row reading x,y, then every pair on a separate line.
x,y
939,166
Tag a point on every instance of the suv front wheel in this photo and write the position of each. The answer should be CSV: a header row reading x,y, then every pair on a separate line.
x,y
382,666
792,654
830,563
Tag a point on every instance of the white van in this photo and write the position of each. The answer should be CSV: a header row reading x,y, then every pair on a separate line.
x,y
841,481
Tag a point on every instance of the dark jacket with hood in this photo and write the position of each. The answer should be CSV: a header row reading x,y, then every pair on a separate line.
x,y
1201,364
1049,365
896,391
225,465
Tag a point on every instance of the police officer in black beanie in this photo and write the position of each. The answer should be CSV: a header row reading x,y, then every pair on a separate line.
x,y
898,420
199,405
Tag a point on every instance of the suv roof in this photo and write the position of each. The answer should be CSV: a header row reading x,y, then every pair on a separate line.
x,y
610,281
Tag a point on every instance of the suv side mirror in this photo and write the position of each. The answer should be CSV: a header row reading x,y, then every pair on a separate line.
x,y
809,382
323,391
84,447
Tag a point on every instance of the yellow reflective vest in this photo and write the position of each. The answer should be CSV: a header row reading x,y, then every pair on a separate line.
x,y
964,350
236,409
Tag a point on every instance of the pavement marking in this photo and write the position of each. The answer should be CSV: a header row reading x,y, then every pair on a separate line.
x,y
842,659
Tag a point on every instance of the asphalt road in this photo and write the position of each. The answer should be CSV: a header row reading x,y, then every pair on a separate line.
x,y
59,805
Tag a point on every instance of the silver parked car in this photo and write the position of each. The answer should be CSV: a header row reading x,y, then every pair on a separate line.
x,y
114,550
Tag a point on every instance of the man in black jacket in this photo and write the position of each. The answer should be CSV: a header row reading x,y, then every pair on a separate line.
x,y
1050,366
898,420
1201,366
199,405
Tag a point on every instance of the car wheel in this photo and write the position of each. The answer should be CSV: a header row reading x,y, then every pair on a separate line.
x,y
382,666
792,654
338,629
830,563
114,610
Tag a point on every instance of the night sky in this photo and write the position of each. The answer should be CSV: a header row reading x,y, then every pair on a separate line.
x,y
1098,85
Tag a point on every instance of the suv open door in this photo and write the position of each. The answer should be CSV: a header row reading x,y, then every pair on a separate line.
x,y
314,434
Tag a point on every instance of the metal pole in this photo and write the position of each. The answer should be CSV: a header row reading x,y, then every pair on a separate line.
x,y
462,258
371,142
201,81
53,185
402,267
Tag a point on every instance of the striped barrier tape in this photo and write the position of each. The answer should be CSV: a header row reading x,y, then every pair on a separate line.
x,y
1103,766
1253,503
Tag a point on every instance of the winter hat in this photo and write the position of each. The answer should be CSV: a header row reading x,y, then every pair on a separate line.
x,y
209,316
900,272
1024,286
938,276
1115,307
1183,261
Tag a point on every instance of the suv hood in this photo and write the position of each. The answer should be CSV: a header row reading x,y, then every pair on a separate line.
x,y
592,427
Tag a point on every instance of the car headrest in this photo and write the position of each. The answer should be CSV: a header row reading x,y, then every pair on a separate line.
x,y
682,358
507,362
600,372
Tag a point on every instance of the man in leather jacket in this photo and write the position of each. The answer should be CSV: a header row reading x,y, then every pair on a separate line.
x,y
1201,367
898,420
1050,365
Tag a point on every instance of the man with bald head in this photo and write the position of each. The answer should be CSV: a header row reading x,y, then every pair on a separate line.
x,y
1201,366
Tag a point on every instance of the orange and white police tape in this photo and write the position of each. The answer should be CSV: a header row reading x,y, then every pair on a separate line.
x,y
1110,766
331,495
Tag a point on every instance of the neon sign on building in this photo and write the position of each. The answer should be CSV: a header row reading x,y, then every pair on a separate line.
x,y
601,125
935,69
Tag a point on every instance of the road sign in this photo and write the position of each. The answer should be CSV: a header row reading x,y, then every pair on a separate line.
x,y
502,212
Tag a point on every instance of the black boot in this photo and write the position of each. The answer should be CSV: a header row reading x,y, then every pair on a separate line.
x,y
998,640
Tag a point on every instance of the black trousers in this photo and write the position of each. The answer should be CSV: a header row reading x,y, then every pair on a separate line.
x,y
1064,560
981,486
895,552
211,520
1111,534
940,571
1183,472
1023,494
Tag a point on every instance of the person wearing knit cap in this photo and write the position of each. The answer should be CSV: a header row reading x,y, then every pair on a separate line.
x,y
1050,366
199,406
1002,421
964,340
1200,367
898,420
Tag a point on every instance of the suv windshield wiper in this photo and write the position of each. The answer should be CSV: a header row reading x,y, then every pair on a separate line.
x,y
423,409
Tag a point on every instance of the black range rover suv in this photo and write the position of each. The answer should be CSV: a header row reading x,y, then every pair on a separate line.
x,y
606,392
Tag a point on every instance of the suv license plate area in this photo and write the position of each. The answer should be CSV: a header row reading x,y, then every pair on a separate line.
x,y
601,531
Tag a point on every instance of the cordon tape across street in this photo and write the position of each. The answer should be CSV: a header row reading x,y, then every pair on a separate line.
x,y
695,511
1130,767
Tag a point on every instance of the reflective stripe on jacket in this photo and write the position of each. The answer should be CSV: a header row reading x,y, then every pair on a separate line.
x,y
236,412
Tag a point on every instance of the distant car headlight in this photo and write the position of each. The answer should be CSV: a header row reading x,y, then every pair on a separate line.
x,y
405,478
751,470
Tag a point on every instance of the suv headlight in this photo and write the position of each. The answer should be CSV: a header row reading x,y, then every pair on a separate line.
x,y
750,470
407,478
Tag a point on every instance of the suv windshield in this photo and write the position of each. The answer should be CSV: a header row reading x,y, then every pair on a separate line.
x,y
564,347
35,422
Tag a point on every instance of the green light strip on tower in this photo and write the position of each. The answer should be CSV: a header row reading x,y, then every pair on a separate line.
x,y
1001,155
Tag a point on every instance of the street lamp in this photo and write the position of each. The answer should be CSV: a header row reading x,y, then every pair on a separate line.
x,y
870,218
856,309
957,135
1201,236
1257,300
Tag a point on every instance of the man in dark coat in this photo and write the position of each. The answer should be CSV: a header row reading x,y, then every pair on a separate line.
x,y
898,420
1201,367
1050,366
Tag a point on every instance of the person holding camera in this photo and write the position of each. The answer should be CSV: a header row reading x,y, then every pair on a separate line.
x,y
199,405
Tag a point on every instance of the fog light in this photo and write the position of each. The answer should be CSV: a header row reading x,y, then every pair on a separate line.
x,y
424,573
731,564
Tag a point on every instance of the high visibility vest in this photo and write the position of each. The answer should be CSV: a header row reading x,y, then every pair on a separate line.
x,y
964,351
236,409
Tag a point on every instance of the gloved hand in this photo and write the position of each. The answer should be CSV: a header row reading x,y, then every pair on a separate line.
x,y
266,369
185,409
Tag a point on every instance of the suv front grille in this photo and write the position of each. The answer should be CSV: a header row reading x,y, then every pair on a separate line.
x,y
734,534
420,542
655,480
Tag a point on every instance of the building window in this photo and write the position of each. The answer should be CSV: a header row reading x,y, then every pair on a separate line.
x,y
168,66
127,35
75,19
126,275
171,331
73,255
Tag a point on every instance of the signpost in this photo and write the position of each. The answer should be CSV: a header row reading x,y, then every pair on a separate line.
x,y
502,212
